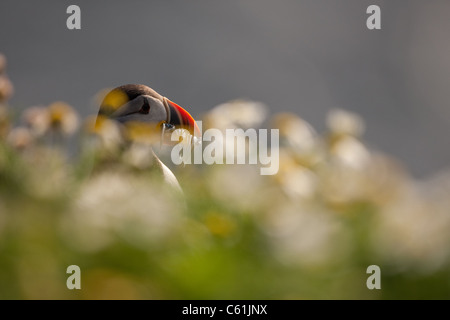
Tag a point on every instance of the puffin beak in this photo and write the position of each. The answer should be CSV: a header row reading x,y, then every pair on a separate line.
x,y
179,118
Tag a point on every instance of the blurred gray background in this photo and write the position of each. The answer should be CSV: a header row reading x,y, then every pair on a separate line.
x,y
301,56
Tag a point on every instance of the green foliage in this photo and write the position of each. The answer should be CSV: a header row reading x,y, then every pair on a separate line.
x,y
309,232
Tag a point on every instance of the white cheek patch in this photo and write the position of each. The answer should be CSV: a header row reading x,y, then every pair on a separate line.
x,y
130,111
157,111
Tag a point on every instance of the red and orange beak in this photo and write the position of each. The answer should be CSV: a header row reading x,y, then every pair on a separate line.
x,y
180,118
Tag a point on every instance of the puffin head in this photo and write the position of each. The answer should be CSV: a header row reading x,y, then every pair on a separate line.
x,y
139,103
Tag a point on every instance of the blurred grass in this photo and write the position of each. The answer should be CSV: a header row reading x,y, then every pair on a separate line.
x,y
310,232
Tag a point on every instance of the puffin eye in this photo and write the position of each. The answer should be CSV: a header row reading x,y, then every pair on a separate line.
x,y
168,126
145,107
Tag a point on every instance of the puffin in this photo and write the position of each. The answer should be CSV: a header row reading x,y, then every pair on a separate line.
x,y
131,103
